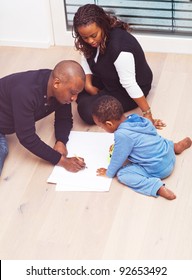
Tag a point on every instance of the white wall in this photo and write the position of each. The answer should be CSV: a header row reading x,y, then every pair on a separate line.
x,y
150,43
41,23
166,43
25,23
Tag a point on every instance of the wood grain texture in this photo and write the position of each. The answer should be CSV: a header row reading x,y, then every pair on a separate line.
x,y
36,222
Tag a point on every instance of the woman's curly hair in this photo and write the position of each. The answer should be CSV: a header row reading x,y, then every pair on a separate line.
x,y
91,13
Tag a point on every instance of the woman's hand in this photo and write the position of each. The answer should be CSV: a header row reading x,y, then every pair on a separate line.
x,y
92,90
146,110
159,124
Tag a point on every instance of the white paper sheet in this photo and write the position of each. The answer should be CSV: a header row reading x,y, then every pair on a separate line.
x,y
94,148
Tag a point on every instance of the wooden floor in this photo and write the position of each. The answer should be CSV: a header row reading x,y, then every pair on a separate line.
x,y
36,222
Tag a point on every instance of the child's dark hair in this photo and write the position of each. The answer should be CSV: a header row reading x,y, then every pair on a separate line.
x,y
107,108
91,13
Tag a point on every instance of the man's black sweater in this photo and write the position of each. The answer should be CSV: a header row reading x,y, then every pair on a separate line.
x,y
23,101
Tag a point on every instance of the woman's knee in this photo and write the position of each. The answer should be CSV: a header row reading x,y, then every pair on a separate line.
x,y
85,113
85,108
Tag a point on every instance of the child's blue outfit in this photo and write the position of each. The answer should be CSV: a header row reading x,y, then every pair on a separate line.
x,y
151,157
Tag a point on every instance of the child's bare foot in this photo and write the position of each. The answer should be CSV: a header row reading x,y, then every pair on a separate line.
x,y
166,193
182,145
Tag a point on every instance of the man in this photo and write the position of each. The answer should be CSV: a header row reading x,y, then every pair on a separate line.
x,y
27,97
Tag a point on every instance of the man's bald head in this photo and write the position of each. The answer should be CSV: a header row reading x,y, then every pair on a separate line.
x,y
66,81
67,69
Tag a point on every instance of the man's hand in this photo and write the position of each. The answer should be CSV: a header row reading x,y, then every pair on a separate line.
x,y
72,164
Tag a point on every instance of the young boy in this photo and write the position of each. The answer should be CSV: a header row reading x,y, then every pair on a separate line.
x,y
141,157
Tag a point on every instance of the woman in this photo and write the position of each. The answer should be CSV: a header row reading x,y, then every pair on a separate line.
x,y
114,63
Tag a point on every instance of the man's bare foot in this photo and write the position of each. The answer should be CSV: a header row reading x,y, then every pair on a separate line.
x,y
182,145
166,193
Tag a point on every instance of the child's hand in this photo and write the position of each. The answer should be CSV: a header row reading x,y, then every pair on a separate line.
x,y
101,172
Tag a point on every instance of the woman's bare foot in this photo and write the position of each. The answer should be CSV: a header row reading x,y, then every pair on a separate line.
x,y
182,145
166,193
